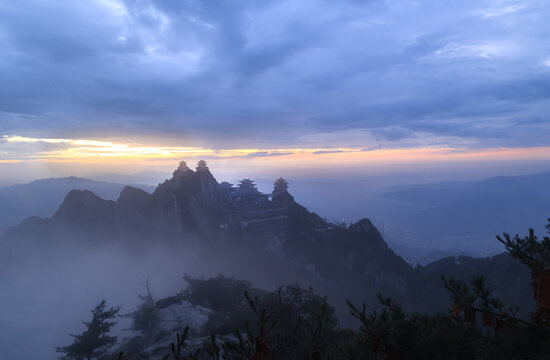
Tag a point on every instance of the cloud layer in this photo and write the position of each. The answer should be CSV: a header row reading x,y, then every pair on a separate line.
x,y
278,74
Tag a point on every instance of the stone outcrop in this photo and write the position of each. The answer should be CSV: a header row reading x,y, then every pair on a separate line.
x,y
153,342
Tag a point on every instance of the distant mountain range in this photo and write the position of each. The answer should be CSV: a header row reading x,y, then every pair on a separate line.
x,y
95,240
425,222
422,223
269,239
43,197
144,177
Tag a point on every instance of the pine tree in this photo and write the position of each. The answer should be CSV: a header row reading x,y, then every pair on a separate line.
x,y
94,342
529,250
534,253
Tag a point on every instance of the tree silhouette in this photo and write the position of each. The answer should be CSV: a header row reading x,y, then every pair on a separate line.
x,y
94,342
535,254
529,250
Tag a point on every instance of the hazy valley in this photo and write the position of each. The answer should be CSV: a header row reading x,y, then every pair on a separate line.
x,y
107,246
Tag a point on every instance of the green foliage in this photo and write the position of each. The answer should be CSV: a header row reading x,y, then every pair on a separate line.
x,y
94,342
529,250
393,334
207,292
178,349
304,315
478,296
295,323
216,351
290,321
146,313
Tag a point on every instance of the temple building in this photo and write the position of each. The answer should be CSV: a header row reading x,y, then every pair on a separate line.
x,y
227,186
182,166
279,186
227,189
251,209
246,195
201,166
256,213
247,187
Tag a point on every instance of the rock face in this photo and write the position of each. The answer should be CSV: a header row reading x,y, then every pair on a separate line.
x,y
270,241
82,209
42,197
179,210
277,240
165,321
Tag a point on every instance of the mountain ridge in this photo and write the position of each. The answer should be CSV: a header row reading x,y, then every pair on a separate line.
x,y
42,197
269,239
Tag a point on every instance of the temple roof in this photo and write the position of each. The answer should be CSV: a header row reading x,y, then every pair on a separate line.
x,y
201,166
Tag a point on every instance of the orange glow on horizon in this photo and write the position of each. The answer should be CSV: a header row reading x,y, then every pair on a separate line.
x,y
97,151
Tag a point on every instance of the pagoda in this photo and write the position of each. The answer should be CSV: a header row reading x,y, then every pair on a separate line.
x,y
182,168
201,166
279,186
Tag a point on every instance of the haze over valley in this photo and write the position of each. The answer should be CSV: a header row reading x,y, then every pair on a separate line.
x,y
274,180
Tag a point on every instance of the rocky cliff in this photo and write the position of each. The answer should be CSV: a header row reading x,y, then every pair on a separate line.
x,y
269,239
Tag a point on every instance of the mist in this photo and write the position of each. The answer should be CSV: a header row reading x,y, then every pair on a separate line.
x,y
350,163
52,277
46,294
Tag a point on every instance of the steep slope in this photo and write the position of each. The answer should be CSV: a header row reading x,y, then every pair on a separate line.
x,y
43,197
180,208
231,230
269,240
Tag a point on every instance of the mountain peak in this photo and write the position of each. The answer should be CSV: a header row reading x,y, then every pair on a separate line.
x,y
283,199
182,169
201,166
81,197
130,194
83,206
365,228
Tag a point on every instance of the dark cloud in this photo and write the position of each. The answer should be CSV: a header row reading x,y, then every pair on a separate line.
x,y
224,73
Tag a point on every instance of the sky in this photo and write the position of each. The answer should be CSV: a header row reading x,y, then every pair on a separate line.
x,y
131,85
342,97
